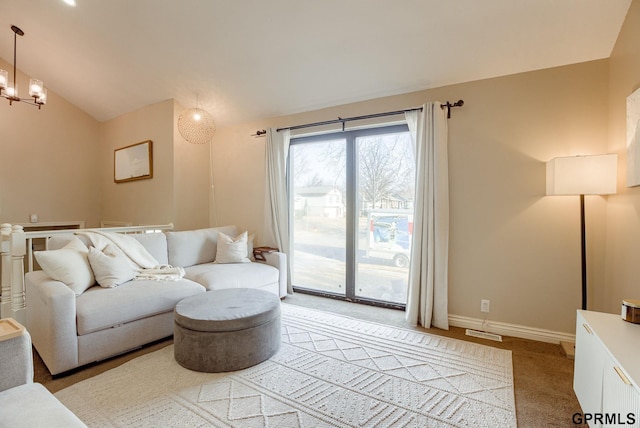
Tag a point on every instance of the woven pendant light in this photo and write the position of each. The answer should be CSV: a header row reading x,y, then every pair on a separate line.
x,y
196,126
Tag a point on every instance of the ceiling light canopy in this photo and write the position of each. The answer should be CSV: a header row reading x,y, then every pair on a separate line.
x,y
196,126
9,90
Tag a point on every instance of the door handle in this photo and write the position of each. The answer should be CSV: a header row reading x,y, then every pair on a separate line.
x,y
624,378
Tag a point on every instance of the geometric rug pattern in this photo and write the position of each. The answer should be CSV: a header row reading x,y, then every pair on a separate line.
x,y
331,371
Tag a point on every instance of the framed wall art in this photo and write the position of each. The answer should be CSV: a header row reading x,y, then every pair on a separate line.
x,y
633,139
134,162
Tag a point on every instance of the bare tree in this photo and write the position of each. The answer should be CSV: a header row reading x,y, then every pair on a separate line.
x,y
300,161
385,169
315,181
329,157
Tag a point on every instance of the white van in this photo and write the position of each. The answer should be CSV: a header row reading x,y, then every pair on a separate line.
x,y
389,236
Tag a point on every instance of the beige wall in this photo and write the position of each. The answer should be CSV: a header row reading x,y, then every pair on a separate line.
x,y
191,181
178,191
623,210
141,201
509,242
47,161
57,162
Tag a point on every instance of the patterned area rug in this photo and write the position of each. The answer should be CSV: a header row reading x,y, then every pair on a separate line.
x,y
331,371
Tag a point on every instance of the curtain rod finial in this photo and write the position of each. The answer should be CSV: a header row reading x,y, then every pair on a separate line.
x,y
448,106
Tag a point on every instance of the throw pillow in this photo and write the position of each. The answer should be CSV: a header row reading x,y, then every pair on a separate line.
x,y
110,267
69,265
232,250
250,240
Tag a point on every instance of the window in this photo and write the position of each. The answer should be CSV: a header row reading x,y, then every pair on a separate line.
x,y
351,210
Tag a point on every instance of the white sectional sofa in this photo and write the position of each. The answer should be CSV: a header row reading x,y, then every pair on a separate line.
x,y
70,330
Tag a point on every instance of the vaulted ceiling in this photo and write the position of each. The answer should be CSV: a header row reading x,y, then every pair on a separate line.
x,y
252,59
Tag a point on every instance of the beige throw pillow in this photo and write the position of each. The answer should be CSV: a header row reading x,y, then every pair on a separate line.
x,y
232,250
110,266
69,265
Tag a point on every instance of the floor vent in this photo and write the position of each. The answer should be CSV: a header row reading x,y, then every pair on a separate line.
x,y
484,335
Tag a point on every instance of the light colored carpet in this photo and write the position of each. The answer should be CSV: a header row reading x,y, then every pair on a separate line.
x,y
331,371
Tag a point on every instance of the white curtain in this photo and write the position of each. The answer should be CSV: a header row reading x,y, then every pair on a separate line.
x,y
427,301
276,225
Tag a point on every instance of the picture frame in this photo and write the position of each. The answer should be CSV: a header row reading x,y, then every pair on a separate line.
x,y
133,162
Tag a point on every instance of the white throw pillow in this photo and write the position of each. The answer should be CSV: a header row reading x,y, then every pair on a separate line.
x,y
232,250
69,265
110,267
250,240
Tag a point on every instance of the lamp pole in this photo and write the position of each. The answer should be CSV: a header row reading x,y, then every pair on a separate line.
x,y
583,249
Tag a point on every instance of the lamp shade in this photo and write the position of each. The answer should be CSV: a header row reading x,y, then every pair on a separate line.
x,y
196,126
582,175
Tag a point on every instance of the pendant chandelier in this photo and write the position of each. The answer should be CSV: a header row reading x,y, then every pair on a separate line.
x,y
9,90
196,125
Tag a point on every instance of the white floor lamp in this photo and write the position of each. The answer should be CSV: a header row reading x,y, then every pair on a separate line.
x,y
582,175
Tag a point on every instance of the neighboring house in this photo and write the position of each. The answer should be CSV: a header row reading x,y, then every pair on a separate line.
x,y
391,202
319,201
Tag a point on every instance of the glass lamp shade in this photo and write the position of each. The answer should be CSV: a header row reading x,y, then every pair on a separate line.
x,y
42,99
11,90
196,126
4,78
36,88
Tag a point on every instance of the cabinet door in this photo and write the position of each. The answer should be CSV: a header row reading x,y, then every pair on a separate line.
x,y
620,399
587,372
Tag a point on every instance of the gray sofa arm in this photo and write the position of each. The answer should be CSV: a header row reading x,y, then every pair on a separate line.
x,y
16,361
51,321
279,261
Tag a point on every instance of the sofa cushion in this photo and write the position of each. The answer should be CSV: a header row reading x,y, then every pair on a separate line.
x,y
155,244
58,241
110,267
232,250
193,247
69,265
214,276
99,308
31,405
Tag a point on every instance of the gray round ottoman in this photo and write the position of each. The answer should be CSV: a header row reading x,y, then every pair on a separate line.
x,y
226,330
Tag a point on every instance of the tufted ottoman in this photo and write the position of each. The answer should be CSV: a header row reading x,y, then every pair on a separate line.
x,y
226,330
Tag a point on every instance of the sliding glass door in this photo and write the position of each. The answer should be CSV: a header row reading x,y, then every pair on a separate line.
x,y
318,215
384,191
351,206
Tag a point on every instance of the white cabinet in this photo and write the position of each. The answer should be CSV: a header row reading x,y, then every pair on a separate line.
x,y
607,369
620,400
587,371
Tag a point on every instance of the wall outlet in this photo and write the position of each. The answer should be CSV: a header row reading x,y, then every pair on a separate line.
x,y
33,218
484,305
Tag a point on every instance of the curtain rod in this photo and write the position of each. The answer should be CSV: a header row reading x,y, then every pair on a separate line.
x,y
341,120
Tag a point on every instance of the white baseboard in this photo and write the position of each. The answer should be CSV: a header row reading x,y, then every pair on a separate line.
x,y
514,330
